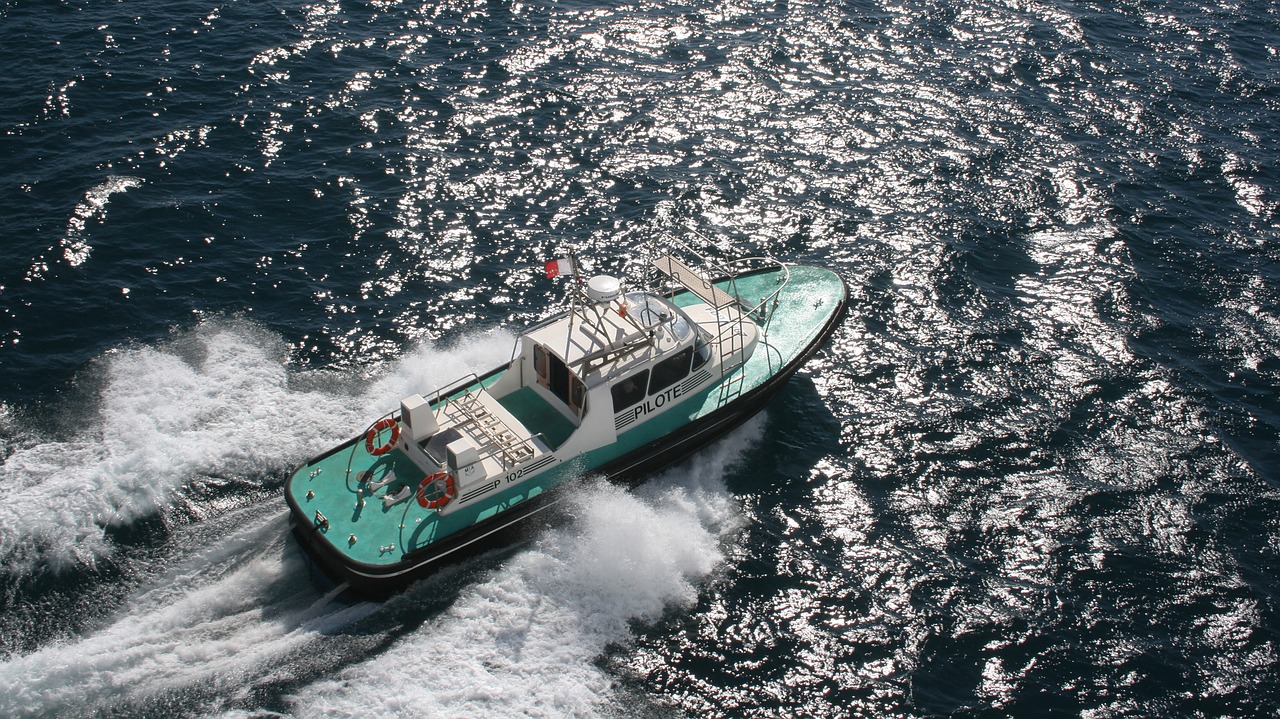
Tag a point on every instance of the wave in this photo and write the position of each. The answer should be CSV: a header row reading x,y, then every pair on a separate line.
x,y
237,618
214,623
218,401
92,208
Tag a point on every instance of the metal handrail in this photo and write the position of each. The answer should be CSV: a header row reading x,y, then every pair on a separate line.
x,y
461,385
786,279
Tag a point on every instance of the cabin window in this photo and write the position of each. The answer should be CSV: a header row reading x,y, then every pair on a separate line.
x,y
630,390
701,353
670,370
650,310
679,327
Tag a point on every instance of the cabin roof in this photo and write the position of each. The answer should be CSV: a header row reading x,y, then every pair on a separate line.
x,y
616,335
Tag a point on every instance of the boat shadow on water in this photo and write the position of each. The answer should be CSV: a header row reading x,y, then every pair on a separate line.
x,y
800,430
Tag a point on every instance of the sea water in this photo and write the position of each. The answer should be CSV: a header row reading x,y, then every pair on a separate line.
x,y
1034,471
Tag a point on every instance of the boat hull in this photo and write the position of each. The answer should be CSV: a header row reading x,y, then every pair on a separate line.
x,y
508,527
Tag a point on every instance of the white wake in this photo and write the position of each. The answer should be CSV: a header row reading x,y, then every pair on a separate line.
x,y
524,642
235,613
217,401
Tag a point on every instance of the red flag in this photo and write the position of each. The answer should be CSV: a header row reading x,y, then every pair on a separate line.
x,y
562,266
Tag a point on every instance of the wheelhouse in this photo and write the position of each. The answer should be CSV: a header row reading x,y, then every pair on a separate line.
x,y
630,355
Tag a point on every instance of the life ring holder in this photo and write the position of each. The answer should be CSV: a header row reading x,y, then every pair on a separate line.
x,y
372,436
437,502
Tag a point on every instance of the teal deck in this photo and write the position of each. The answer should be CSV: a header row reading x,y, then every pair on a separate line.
x,y
537,415
384,534
805,307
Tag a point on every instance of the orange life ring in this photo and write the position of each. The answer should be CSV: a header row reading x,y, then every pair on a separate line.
x,y
372,435
439,500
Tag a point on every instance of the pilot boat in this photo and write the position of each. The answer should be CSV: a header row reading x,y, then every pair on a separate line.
x,y
622,383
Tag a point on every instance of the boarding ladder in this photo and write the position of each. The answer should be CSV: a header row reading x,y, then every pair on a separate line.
x,y
730,317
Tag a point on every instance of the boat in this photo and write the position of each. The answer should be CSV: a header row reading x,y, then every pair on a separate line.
x,y
630,378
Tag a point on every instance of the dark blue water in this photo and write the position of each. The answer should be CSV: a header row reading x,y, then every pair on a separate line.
x,y
1035,473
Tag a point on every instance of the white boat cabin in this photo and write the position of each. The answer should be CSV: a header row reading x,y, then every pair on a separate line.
x,y
616,360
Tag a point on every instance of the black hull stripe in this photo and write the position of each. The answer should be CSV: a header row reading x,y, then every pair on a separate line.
x,y
479,491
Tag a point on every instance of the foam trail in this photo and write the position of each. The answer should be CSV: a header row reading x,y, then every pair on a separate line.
x,y
217,401
429,368
524,642
234,602
189,631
